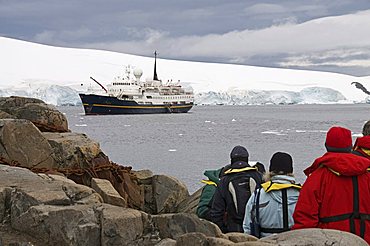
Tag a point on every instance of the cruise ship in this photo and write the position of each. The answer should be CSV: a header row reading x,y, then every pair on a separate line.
x,y
129,95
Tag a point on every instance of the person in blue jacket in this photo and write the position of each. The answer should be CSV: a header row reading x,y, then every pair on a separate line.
x,y
270,208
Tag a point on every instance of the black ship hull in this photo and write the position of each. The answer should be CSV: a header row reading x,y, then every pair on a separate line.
x,y
105,105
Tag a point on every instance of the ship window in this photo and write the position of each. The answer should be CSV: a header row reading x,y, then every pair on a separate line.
x,y
148,96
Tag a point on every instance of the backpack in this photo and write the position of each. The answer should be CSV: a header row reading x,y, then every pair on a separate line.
x,y
241,186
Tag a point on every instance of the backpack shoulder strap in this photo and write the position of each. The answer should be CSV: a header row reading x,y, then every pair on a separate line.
x,y
285,209
258,205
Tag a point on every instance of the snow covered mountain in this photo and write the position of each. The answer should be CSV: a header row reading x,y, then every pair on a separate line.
x,y
56,75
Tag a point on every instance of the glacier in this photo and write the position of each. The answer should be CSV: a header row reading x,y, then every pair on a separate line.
x,y
310,95
52,94
64,95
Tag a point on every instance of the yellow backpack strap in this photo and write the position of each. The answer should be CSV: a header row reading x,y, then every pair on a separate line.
x,y
208,182
366,151
269,186
240,170
333,171
338,174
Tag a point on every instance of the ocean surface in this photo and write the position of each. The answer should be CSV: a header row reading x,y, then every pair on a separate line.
x,y
184,145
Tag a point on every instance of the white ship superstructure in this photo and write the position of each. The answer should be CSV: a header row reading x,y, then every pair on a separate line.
x,y
148,92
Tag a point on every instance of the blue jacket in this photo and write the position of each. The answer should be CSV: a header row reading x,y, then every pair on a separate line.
x,y
271,208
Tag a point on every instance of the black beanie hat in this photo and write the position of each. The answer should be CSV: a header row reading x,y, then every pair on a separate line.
x,y
281,163
239,153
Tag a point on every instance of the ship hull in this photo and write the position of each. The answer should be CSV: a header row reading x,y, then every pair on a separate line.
x,y
107,105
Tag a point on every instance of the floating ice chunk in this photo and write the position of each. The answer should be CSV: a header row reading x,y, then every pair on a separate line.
x,y
300,130
274,132
357,135
233,120
80,125
180,134
269,132
172,150
126,125
207,121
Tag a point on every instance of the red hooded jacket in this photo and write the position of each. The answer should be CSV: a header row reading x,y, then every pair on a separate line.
x,y
329,191
362,146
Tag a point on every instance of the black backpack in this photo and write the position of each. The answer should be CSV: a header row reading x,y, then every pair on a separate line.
x,y
241,186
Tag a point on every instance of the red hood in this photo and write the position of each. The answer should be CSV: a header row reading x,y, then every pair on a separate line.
x,y
346,164
363,142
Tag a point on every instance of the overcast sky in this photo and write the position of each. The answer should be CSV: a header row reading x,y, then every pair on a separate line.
x,y
328,35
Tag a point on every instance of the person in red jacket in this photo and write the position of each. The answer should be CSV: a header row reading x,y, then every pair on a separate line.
x,y
336,194
362,144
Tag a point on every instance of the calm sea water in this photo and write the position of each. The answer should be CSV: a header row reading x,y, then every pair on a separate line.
x,y
184,145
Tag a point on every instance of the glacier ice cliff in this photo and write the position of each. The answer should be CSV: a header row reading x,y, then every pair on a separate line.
x,y
64,95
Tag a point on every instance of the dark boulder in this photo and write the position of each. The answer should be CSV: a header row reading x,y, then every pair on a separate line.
x,y
44,116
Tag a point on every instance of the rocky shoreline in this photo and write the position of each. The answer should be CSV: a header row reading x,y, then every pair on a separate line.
x,y
58,188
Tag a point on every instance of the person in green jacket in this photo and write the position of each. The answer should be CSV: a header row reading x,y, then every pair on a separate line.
x,y
205,201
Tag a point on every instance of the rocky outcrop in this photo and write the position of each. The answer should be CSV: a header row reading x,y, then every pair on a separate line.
x,y
21,143
168,193
175,225
107,192
45,117
190,204
164,194
75,155
314,236
73,150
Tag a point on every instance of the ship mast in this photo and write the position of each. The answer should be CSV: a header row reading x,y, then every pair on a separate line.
x,y
155,77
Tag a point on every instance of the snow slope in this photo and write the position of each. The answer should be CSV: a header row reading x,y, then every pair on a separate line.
x,y
54,74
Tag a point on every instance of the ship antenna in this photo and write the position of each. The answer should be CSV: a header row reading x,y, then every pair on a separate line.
x,y
155,77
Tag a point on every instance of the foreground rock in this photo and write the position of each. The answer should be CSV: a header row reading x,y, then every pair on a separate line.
x,y
21,143
44,116
75,155
314,236
74,150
